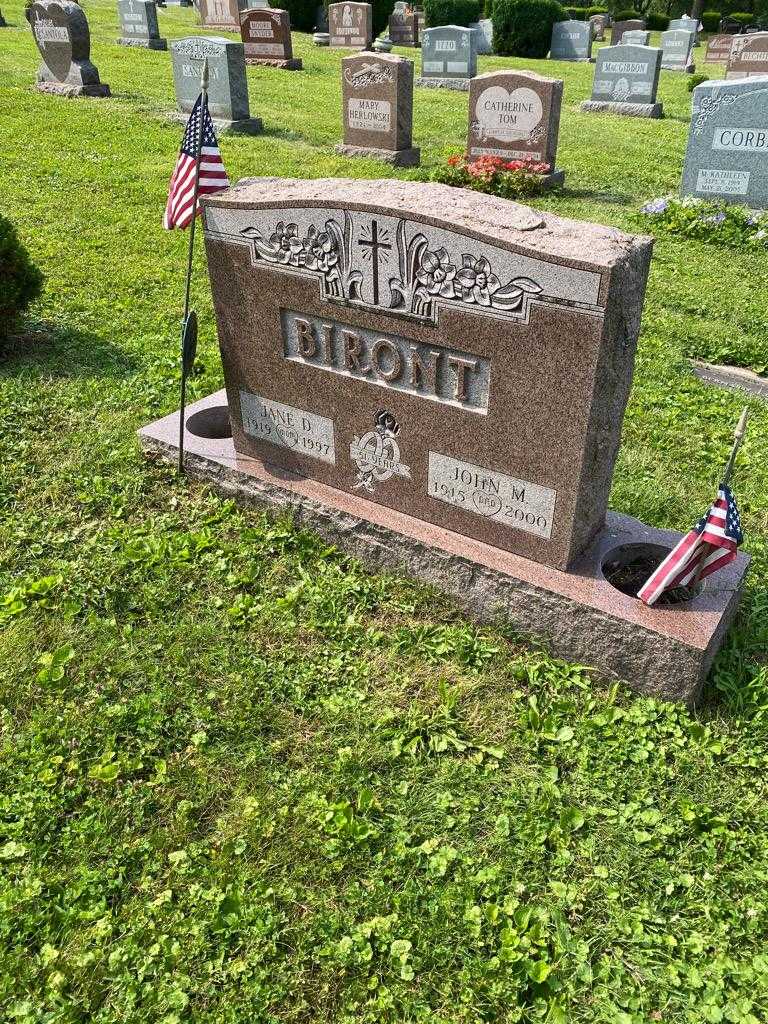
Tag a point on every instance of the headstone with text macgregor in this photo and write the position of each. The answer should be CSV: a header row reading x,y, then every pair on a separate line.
x,y
571,40
138,23
620,27
404,28
448,57
227,84
727,153
515,115
626,81
676,47
60,30
718,49
748,57
266,34
221,14
377,97
350,25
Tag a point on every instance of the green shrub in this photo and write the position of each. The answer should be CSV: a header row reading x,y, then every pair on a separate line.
x,y
595,10
302,13
577,13
743,17
711,20
452,12
656,22
626,15
380,14
20,280
694,80
523,28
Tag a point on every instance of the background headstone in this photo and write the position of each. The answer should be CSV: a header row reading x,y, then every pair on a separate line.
x,y
636,37
718,49
515,115
448,57
221,14
138,24
60,30
727,154
571,40
351,25
599,23
377,97
266,35
484,33
676,47
749,56
626,81
403,29
620,27
687,24
227,86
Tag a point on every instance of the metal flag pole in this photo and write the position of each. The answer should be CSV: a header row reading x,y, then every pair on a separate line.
x,y
189,323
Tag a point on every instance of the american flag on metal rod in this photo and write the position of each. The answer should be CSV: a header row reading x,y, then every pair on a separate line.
x,y
213,176
709,546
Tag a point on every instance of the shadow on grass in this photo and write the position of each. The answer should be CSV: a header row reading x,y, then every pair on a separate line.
x,y
44,349
615,198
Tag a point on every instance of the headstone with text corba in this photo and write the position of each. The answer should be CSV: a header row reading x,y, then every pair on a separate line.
x,y
350,25
227,84
377,99
748,57
515,115
626,82
448,57
138,23
60,30
676,51
571,40
266,34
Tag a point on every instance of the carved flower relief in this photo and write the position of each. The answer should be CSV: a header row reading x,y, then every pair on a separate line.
x,y
286,243
436,273
476,281
320,251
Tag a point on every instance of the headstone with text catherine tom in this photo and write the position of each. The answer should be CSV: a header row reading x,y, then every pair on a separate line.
x,y
266,34
60,30
350,25
686,24
404,28
138,23
676,50
227,84
626,82
748,57
727,153
221,14
620,27
448,57
571,40
377,97
636,37
515,115
718,49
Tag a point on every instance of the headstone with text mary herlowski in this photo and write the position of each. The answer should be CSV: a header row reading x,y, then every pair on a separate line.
x,y
626,82
748,57
227,84
266,34
448,57
138,23
377,98
60,30
515,115
350,25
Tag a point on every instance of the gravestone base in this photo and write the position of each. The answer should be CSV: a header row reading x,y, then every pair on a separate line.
x,y
663,651
321,38
627,109
396,157
688,70
460,84
223,126
146,44
293,64
72,91
554,179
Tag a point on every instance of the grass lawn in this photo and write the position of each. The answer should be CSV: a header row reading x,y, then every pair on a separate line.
x,y
242,779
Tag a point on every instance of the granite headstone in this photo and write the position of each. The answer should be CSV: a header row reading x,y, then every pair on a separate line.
x,y
377,96
727,153
516,115
718,49
748,57
448,57
571,40
626,81
676,47
227,85
636,37
138,23
599,23
221,14
620,27
350,25
404,28
60,30
266,35
483,30
686,24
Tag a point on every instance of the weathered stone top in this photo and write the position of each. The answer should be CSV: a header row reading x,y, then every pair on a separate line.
x,y
541,233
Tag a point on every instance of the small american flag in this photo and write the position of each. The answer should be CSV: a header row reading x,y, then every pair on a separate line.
x,y
213,177
709,546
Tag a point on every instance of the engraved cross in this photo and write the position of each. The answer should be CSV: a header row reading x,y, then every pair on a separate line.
x,y
374,244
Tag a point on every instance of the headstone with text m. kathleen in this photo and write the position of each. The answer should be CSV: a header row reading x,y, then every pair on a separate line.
x,y
448,57
60,30
626,82
571,40
266,34
138,23
377,97
227,84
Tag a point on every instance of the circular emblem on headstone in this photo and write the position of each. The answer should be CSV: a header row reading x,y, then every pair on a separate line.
x,y
377,454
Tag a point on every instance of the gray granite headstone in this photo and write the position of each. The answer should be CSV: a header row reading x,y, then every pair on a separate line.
x,y
448,57
620,27
718,49
484,33
676,46
138,24
687,25
727,154
626,81
227,88
749,56
571,40
636,37
60,30
351,25
403,28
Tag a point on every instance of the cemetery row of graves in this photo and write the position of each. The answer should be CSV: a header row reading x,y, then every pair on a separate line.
x,y
243,776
